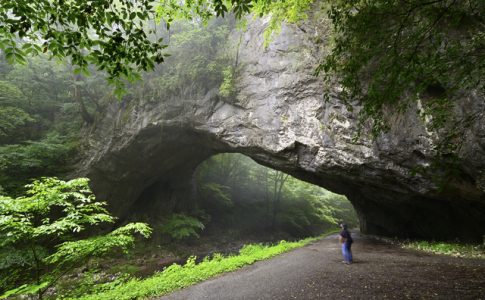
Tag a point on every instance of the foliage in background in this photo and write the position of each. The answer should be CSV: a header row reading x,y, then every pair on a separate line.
x,y
42,110
176,276
11,118
217,196
21,163
238,193
50,231
198,58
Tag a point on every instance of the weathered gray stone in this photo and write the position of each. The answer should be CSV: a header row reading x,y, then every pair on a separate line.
x,y
279,118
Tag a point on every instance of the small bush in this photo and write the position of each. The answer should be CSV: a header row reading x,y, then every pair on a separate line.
x,y
181,226
227,88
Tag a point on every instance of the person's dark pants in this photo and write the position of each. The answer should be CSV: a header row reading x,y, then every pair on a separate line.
x,y
347,252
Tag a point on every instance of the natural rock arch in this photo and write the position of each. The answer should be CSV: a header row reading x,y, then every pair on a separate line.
x,y
279,119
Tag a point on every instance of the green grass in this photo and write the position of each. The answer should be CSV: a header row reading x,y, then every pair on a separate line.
x,y
452,249
176,276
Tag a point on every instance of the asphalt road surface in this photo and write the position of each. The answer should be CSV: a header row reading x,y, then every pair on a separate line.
x,y
316,271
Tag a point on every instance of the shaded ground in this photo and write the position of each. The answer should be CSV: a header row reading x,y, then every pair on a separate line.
x,y
380,271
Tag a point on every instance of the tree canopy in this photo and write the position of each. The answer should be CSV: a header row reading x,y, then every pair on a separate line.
x,y
109,34
388,51
382,52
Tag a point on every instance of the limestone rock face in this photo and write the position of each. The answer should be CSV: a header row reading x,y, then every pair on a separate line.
x,y
148,151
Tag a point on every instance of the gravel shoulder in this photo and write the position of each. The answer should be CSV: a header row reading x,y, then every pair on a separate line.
x,y
381,271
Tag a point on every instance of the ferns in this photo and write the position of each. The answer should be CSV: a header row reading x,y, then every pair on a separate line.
x,y
181,226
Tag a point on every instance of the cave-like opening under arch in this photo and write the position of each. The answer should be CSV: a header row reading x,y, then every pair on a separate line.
x,y
162,161
233,195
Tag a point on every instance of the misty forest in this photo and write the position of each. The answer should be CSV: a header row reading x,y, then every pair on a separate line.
x,y
242,149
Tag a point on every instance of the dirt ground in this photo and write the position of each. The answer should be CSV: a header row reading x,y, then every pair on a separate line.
x,y
381,271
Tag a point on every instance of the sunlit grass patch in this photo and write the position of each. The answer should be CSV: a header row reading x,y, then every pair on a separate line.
x,y
452,249
179,276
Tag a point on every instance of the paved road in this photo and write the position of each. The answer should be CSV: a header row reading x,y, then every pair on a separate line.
x,y
380,271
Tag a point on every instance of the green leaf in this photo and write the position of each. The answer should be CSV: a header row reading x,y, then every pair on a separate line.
x,y
28,220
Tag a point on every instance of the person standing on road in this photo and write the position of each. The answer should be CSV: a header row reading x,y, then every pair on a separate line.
x,y
346,240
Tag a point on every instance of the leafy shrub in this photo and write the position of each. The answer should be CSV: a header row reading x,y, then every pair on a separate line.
x,y
40,234
181,226
227,87
11,118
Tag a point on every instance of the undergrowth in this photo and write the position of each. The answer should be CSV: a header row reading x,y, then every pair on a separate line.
x,y
179,276
452,249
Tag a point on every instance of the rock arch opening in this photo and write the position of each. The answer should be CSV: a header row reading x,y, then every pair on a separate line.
x,y
159,161
243,196
230,195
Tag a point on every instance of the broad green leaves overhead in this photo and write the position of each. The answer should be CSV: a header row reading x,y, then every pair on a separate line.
x,y
289,11
203,10
119,37
109,34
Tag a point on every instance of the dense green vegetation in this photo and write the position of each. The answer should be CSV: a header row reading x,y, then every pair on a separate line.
x,y
43,107
107,34
178,276
199,59
238,199
51,231
239,194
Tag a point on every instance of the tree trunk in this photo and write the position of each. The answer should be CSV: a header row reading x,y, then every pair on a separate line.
x,y
279,182
79,99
